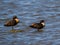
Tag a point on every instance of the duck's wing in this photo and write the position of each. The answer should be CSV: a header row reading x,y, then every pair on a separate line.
x,y
9,23
34,25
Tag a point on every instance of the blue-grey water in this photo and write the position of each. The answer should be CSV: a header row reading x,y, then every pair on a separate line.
x,y
28,12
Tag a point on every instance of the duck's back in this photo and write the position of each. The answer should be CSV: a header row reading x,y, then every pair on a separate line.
x,y
10,23
37,25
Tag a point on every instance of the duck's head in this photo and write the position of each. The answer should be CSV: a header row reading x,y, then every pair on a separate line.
x,y
16,19
42,22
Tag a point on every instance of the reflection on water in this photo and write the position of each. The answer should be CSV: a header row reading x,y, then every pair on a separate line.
x,y
30,11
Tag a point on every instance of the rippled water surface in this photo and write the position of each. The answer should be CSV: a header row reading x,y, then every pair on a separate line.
x,y
28,12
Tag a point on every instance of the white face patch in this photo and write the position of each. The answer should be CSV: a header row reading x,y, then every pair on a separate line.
x,y
43,24
17,20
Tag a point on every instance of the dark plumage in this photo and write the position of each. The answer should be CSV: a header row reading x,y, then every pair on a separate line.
x,y
39,25
12,22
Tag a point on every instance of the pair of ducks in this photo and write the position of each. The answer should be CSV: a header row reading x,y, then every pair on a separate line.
x,y
15,21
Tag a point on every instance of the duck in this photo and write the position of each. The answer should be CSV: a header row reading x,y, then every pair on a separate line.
x,y
10,23
39,25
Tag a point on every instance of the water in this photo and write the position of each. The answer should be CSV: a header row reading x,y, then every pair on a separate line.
x,y
28,12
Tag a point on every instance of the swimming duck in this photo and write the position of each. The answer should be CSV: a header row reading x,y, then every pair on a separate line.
x,y
12,22
39,25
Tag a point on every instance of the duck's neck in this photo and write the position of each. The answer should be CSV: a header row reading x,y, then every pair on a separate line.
x,y
17,20
43,23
